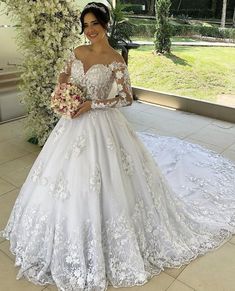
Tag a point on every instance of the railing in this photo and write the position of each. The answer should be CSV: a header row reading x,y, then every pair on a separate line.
x,y
199,107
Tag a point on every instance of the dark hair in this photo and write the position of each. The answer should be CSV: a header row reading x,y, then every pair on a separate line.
x,y
102,14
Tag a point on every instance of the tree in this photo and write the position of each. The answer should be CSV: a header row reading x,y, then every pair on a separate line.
x,y
223,18
163,27
150,7
234,17
120,29
213,7
178,8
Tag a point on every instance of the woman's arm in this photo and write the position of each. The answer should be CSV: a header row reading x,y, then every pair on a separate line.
x,y
124,96
63,78
66,71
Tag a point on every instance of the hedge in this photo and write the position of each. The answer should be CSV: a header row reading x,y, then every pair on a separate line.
x,y
148,30
195,13
210,31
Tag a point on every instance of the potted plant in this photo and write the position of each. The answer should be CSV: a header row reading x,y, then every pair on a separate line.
x,y
120,29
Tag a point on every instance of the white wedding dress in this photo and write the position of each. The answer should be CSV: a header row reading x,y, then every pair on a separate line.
x,y
104,205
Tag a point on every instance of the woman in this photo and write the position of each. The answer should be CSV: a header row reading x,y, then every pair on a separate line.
x,y
103,205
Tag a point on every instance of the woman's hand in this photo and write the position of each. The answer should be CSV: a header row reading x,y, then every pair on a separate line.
x,y
84,107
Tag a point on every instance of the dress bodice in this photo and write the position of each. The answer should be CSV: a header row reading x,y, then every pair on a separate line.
x,y
97,80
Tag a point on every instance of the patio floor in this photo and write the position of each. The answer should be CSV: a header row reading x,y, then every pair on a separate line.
x,y
212,272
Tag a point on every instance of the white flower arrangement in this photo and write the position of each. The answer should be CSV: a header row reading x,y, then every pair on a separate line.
x,y
47,31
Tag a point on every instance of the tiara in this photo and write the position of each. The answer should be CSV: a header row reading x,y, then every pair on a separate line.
x,y
93,5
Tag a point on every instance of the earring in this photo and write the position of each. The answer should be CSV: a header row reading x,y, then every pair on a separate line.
x,y
87,41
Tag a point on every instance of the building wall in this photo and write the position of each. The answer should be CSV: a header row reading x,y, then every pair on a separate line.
x,y
8,48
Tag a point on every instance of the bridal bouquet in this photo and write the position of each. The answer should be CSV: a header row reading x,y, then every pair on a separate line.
x,y
66,98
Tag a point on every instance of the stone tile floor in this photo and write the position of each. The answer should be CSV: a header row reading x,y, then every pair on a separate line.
x,y
212,272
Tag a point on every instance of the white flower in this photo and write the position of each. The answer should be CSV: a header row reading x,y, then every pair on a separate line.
x,y
44,181
119,87
69,260
41,61
119,74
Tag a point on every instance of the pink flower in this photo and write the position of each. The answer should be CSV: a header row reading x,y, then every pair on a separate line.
x,y
66,98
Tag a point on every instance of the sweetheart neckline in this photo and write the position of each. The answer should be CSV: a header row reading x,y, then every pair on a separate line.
x,y
94,65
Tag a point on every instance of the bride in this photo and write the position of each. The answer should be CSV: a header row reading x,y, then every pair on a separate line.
x,y
103,205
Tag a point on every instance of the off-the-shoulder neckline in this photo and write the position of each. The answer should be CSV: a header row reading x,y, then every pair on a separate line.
x,y
98,64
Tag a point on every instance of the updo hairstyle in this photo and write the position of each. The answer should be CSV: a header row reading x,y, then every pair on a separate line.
x,y
100,11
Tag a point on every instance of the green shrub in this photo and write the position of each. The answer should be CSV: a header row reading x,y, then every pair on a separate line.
x,y
148,30
163,27
185,30
144,30
231,33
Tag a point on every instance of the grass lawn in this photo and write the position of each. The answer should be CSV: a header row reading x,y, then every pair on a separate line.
x,y
198,72
174,38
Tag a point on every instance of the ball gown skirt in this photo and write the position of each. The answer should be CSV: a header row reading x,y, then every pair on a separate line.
x,y
105,205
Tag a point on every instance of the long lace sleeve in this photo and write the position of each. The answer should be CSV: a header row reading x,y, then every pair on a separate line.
x,y
124,94
66,71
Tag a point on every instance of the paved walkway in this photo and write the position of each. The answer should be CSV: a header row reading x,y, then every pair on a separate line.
x,y
186,43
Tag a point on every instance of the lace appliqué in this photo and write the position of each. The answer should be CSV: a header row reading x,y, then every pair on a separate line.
x,y
127,162
77,147
123,266
59,189
110,143
37,172
151,246
67,66
97,80
92,114
58,132
37,177
95,180
149,181
124,95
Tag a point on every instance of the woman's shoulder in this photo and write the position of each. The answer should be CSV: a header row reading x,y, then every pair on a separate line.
x,y
115,57
81,50
117,62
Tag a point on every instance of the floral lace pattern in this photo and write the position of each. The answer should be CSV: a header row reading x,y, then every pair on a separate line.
x,y
35,177
110,143
124,95
157,227
59,188
105,251
95,180
127,162
77,147
58,132
99,85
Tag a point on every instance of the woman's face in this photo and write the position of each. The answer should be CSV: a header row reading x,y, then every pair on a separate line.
x,y
93,30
